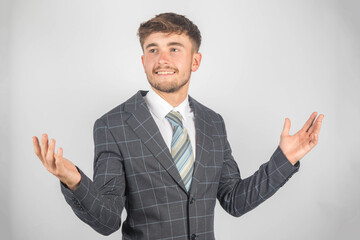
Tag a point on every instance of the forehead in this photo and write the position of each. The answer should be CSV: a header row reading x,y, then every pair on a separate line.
x,y
159,38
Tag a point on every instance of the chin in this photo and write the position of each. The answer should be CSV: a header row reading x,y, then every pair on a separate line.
x,y
168,86
166,89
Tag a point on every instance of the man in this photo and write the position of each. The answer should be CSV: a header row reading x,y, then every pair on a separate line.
x,y
164,157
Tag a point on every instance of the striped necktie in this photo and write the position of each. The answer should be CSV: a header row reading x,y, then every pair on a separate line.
x,y
181,149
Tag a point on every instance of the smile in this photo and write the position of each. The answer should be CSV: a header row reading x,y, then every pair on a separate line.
x,y
164,73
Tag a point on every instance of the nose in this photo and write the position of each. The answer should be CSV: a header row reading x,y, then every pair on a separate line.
x,y
163,58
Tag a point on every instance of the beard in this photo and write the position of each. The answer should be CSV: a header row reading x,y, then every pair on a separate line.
x,y
168,86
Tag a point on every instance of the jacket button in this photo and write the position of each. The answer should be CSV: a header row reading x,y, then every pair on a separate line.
x,y
194,237
192,200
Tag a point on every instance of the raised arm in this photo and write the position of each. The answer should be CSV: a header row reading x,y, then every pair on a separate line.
x,y
238,196
99,203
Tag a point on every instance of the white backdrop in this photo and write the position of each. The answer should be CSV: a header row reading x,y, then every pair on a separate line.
x,y
65,63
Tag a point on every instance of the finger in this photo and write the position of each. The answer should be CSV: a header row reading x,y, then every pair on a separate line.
x,y
318,124
37,149
315,128
51,149
58,156
59,153
286,128
309,122
50,154
313,140
44,145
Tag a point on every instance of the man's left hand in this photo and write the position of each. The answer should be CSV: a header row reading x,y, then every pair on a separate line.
x,y
298,145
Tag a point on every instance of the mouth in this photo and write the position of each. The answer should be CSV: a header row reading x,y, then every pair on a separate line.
x,y
165,72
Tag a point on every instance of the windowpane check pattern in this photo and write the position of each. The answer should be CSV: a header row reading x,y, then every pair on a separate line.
x,y
181,149
134,170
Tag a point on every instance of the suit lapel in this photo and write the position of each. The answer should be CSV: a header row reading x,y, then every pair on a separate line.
x,y
146,129
203,128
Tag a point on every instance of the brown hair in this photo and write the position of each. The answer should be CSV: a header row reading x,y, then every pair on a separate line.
x,y
170,23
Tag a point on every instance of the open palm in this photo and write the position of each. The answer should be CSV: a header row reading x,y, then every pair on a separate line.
x,y
298,145
55,163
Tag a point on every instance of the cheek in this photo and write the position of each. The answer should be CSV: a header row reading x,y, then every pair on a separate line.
x,y
183,63
148,64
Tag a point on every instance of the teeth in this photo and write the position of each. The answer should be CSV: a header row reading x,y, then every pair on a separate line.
x,y
165,73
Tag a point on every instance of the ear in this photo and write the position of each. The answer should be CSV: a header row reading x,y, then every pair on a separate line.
x,y
196,61
142,60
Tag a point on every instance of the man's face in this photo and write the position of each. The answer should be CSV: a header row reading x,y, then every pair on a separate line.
x,y
168,61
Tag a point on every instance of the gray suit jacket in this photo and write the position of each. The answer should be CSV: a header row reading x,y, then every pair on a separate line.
x,y
133,169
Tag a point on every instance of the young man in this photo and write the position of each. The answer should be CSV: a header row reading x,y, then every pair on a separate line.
x,y
164,157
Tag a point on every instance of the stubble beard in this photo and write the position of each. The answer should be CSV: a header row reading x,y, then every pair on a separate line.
x,y
173,87
170,87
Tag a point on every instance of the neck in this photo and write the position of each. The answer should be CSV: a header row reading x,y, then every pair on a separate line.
x,y
174,98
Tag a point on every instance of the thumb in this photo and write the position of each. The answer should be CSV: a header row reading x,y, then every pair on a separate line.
x,y
286,128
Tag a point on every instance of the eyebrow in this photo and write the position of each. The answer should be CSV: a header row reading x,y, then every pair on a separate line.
x,y
176,44
169,44
151,45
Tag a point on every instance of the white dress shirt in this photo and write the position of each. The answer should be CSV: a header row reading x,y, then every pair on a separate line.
x,y
159,108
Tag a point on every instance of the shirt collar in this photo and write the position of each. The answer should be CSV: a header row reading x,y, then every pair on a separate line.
x,y
160,108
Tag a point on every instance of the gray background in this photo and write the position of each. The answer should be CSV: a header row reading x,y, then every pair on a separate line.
x,y
65,63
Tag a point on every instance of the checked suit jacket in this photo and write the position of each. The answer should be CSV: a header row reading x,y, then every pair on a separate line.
x,y
133,169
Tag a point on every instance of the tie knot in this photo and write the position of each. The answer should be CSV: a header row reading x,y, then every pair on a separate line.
x,y
174,118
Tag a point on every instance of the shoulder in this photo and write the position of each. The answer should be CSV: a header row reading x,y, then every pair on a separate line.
x,y
206,115
201,109
119,114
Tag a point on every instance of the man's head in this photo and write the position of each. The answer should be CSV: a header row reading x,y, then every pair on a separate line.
x,y
170,23
170,43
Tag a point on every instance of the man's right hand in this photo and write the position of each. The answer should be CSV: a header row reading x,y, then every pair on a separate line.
x,y
56,164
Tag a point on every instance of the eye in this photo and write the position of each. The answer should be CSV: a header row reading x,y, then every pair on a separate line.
x,y
174,50
152,50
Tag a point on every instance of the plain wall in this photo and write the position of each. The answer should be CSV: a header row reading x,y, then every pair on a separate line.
x,y
65,63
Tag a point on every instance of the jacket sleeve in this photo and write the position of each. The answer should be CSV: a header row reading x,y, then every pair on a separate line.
x,y
99,203
238,196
